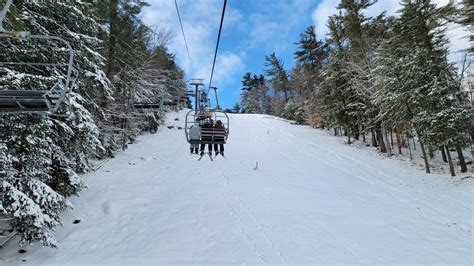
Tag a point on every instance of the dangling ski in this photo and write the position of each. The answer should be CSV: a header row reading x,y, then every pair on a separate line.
x,y
202,155
220,154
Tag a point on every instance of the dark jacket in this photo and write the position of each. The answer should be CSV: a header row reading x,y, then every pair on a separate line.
x,y
219,130
207,130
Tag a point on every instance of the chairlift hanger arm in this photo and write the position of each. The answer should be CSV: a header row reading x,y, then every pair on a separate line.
x,y
3,13
48,38
217,99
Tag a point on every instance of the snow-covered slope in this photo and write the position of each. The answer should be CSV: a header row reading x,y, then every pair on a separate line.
x,y
310,200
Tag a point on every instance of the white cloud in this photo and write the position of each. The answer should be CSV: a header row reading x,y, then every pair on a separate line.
x,y
274,24
321,14
228,64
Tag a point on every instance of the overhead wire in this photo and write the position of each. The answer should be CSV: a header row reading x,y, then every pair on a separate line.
x,y
217,45
184,35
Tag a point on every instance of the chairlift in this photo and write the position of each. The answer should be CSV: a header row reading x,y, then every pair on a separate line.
x,y
36,101
160,104
208,135
197,117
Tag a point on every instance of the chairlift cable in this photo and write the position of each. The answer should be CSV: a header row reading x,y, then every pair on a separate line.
x,y
184,36
217,45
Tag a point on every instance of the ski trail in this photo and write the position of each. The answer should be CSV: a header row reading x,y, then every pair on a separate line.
x,y
239,220
257,223
315,149
387,187
311,201
387,182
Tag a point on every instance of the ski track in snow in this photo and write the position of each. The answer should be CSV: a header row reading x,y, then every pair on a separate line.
x,y
311,200
256,225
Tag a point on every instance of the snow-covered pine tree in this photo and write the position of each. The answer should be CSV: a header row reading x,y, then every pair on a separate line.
x,y
417,85
278,78
252,106
161,80
335,92
139,65
356,29
311,57
306,75
28,153
236,108
49,152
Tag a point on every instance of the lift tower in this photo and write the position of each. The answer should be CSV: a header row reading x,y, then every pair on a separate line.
x,y
197,83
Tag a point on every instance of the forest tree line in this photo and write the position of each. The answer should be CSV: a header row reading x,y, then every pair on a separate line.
x,y
119,61
384,77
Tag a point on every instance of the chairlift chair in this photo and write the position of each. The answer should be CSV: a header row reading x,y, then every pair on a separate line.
x,y
210,135
160,104
36,101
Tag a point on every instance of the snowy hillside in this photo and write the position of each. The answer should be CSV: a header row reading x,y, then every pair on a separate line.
x,y
286,194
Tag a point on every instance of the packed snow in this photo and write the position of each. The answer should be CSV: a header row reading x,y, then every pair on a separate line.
x,y
285,194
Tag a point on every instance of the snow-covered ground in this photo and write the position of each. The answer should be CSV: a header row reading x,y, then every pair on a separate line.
x,y
311,199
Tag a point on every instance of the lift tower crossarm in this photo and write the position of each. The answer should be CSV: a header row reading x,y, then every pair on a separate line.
x,y
197,83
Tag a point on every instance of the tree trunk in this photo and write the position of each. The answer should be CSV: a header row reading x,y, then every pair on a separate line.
x,y
405,143
348,132
356,132
389,147
425,157
409,147
462,161
387,141
443,154
374,140
113,11
363,137
399,141
379,134
391,139
450,161
335,131
414,143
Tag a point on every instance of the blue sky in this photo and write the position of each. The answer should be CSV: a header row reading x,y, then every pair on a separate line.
x,y
252,29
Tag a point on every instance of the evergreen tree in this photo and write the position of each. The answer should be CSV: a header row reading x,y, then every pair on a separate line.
x,y
236,108
278,79
313,52
417,85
